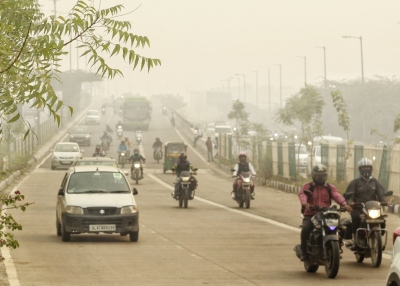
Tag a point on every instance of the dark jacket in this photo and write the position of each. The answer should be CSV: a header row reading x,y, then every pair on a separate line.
x,y
136,157
179,167
364,191
209,144
157,144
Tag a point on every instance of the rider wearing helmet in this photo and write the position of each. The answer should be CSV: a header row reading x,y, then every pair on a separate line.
x,y
136,157
321,195
243,166
182,165
98,152
361,190
157,144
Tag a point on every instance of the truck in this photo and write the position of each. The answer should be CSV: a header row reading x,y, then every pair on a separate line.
x,y
136,113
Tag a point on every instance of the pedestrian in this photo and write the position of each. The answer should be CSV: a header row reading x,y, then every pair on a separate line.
x,y
209,145
199,135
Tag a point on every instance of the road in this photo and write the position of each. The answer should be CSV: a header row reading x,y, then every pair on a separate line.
x,y
212,242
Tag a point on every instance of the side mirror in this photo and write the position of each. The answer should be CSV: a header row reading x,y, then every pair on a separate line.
x,y
61,192
348,195
308,193
389,193
134,191
232,170
195,169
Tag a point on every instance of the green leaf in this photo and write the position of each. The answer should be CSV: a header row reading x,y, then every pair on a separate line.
x,y
15,118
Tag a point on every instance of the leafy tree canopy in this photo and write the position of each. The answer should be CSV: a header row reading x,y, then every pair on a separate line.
x,y
32,47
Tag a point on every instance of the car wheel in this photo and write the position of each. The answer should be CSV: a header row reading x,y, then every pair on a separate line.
x,y
65,235
134,236
58,227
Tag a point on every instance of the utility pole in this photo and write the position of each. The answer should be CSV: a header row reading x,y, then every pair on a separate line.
x,y
280,83
269,91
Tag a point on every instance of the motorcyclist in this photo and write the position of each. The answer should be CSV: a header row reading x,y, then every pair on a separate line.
x,y
136,157
199,134
108,129
118,124
182,165
138,135
129,144
156,144
98,151
322,193
243,166
107,138
361,190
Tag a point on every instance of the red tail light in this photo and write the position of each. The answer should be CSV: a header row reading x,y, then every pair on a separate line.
x,y
396,234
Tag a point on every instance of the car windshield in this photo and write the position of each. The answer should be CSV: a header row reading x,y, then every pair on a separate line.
x,y
79,130
93,112
175,149
66,148
303,149
222,130
97,182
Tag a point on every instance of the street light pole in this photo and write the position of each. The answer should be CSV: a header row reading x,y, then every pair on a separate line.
x,y
239,87
305,69
244,85
269,91
280,83
256,91
324,64
362,58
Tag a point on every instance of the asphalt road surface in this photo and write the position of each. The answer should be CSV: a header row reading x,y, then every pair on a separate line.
x,y
212,242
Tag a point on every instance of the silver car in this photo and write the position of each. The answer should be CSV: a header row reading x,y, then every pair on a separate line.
x,y
65,154
92,116
96,199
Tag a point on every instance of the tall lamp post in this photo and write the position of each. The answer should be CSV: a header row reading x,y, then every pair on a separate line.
x,y
362,60
256,91
239,87
305,69
324,63
280,83
244,85
269,91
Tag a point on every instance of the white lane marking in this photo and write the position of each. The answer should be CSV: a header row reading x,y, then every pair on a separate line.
x,y
270,221
5,251
194,150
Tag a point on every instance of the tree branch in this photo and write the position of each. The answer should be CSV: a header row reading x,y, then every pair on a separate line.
x,y
80,34
20,52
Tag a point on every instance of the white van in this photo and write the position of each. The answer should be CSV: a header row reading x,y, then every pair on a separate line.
x,y
325,139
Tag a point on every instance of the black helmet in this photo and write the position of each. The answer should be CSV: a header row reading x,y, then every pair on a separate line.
x,y
319,174
183,156
365,167
136,151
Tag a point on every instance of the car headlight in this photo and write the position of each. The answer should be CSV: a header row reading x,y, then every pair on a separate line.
x,y
74,210
129,209
374,213
55,158
246,180
136,165
185,179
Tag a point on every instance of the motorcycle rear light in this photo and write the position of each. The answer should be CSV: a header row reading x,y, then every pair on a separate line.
x,y
396,234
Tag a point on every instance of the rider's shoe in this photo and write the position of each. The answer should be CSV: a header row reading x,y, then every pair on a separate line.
x,y
252,195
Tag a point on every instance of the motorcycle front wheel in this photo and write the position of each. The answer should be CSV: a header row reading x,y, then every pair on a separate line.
x,y
359,257
333,259
375,243
180,198
186,198
311,268
247,198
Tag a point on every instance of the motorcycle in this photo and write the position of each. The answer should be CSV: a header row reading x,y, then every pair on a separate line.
x,y
158,154
135,171
369,234
138,136
120,132
185,192
103,111
324,244
105,145
243,195
122,158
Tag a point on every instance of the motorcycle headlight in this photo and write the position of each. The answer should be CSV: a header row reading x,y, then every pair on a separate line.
x,y
129,209
374,213
122,154
185,179
246,180
74,210
332,223
136,165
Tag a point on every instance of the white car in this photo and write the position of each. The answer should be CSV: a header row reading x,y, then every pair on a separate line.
x,y
96,199
92,116
393,277
301,156
65,155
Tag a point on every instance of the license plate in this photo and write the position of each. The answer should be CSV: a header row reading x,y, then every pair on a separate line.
x,y
375,220
66,162
102,227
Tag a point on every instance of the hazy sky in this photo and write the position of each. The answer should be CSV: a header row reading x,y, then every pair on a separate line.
x,y
204,42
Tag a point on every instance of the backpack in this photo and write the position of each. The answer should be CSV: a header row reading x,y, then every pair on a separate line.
x,y
312,187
